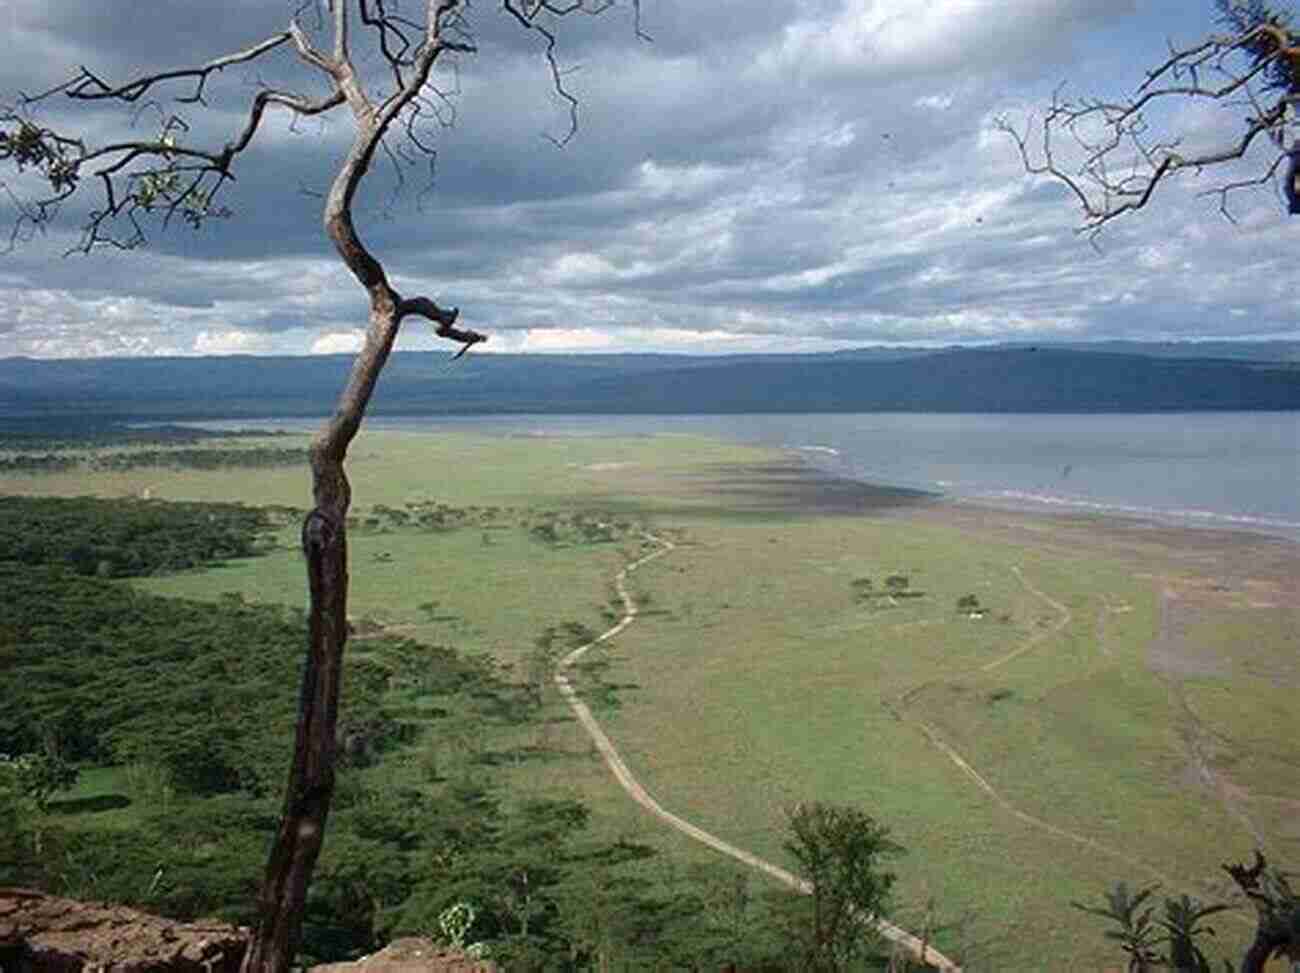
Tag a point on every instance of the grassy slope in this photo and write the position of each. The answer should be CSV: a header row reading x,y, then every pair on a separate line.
x,y
760,680
768,689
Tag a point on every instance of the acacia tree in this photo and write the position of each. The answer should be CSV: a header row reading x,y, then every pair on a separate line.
x,y
138,183
840,851
1114,154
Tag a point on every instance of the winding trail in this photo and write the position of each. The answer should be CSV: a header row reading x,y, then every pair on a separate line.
x,y
1064,617
919,949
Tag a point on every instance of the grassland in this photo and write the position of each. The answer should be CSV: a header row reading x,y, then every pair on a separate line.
x,y
1126,699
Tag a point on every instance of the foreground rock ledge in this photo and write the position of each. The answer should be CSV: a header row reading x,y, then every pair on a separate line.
x,y
42,933
410,956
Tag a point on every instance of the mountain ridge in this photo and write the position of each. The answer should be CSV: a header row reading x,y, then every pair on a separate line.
x,y
1003,378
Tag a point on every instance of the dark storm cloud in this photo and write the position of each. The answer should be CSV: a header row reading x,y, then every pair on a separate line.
x,y
787,176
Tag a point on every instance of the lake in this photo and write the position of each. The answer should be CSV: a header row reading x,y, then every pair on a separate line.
x,y
1213,469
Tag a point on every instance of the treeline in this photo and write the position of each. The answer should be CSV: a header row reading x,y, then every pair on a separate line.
x,y
555,528
124,538
217,458
429,515
59,433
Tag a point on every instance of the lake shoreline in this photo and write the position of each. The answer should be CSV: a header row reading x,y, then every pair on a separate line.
x,y
797,487
1126,468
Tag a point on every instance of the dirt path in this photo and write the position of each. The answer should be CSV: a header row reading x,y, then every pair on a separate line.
x,y
916,947
1064,617
1104,614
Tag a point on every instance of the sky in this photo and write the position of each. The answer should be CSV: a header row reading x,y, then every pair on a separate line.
x,y
756,177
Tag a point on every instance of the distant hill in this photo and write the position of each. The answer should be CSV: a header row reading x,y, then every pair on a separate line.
x,y
1046,378
1271,351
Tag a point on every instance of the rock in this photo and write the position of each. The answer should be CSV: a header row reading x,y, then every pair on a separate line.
x,y
42,933
410,956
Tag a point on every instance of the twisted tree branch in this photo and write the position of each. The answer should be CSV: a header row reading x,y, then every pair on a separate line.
x,y
1116,156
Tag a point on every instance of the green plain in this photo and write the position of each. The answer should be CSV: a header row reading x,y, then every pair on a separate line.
x,y
756,676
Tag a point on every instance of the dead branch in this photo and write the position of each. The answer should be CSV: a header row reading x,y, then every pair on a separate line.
x,y
1113,155
444,319
1277,908
86,86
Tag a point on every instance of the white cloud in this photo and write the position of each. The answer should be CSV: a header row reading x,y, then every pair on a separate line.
x,y
565,339
796,177
935,102
880,38
660,179
574,268
338,342
233,341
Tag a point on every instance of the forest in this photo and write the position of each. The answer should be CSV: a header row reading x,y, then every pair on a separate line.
x,y
180,712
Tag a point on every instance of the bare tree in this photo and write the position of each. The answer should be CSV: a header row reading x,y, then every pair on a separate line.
x,y
1114,155
137,183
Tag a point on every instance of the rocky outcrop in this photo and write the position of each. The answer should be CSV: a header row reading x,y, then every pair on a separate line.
x,y
42,933
410,956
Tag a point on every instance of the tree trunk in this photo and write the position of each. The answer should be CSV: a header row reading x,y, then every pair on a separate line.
x,y
311,776
324,533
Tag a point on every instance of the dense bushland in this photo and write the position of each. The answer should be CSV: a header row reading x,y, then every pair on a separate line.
x,y
186,711
127,538
216,458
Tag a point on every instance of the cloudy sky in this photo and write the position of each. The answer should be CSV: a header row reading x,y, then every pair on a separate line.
x,y
797,176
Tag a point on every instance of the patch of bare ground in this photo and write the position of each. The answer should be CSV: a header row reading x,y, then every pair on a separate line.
x,y
1237,560
1189,607
1173,653
1110,606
